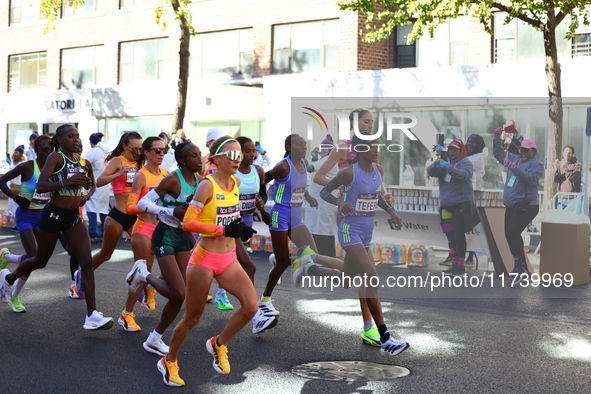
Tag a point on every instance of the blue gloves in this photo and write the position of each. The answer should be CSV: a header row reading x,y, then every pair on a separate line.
x,y
445,164
438,149
259,149
310,168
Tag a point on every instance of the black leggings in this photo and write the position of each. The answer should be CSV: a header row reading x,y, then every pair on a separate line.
x,y
455,231
515,222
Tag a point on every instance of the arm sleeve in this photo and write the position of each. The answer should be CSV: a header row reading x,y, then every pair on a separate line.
x,y
268,177
132,205
435,171
191,223
165,215
383,204
326,192
263,193
498,150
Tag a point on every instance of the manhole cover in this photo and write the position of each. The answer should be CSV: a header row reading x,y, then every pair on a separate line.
x,y
349,371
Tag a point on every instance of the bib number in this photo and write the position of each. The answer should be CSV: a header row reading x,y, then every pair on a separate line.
x,y
297,197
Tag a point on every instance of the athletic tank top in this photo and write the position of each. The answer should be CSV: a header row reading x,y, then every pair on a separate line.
x,y
124,182
249,190
290,190
185,196
29,190
350,155
69,169
223,208
362,193
152,181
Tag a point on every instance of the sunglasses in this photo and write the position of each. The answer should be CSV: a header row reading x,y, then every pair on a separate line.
x,y
232,155
159,150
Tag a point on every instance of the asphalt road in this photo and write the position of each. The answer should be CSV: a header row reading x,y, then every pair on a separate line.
x,y
475,343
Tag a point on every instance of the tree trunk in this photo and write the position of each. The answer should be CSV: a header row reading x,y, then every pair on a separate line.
x,y
554,145
181,97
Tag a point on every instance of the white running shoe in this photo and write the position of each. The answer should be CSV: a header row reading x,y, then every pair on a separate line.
x,y
393,347
249,249
5,288
267,308
273,263
96,321
134,277
261,322
156,346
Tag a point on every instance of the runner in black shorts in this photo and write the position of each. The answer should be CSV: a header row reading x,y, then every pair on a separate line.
x,y
64,177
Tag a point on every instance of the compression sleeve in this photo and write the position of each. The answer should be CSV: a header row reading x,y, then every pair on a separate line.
x,y
165,215
191,223
383,204
263,193
132,206
326,192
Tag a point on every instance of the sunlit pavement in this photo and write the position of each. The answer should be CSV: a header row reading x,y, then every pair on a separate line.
x,y
487,342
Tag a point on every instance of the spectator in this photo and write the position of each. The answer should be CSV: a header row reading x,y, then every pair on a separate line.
x,y
430,181
169,162
568,171
18,157
457,200
320,220
30,153
261,157
477,153
520,197
99,203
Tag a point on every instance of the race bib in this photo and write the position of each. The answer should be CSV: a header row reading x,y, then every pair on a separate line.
x,y
297,197
41,198
247,203
226,215
130,177
366,204
447,177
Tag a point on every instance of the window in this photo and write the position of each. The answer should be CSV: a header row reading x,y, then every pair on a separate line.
x,y
581,45
520,41
23,11
82,67
458,41
306,46
143,60
405,54
27,71
87,7
136,3
234,60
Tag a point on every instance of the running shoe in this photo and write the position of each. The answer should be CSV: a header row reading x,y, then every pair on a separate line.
x,y
134,276
3,262
299,269
127,321
209,299
156,346
273,262
371,337
15,304
512,280
5,288
72,292
170,372
261,322
79,288
303,251
223,303
249,249
393,347
220,356
459,271
96,321
267,308
150,300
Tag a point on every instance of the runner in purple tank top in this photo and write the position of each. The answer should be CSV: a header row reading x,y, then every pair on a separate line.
x,y
361,197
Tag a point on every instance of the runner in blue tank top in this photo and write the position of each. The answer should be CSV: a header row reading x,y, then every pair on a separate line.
x,y
361,197
28,213
286,221
171,245
252,188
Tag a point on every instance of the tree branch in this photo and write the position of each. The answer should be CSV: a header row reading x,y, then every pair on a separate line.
x,y
520,15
